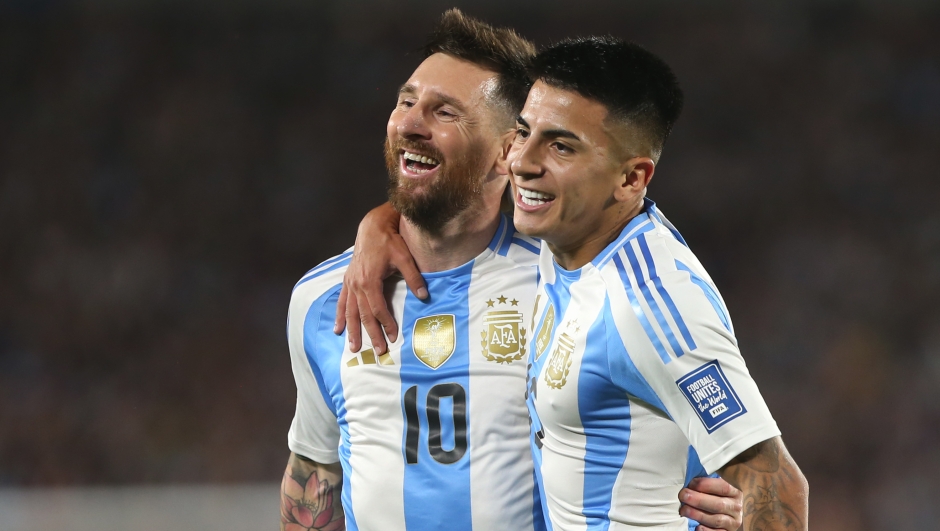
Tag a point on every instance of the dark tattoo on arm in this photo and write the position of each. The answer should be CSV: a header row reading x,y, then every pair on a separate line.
x,y
775,491
310,496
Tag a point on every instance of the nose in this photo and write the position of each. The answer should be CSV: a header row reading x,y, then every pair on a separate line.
x,y
412,124
524,161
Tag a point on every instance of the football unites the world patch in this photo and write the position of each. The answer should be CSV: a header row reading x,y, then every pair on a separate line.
x,y
713,398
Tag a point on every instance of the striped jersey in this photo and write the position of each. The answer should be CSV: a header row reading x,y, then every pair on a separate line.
x,y
433,434
636,384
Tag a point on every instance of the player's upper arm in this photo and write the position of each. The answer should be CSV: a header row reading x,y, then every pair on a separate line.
x,y
314,431
677,339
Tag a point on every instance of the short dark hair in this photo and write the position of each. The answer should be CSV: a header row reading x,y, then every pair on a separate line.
x,y
498,49
636,86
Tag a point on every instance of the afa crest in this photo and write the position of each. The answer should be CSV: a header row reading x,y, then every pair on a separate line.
x,y
434,339
504,336
556,374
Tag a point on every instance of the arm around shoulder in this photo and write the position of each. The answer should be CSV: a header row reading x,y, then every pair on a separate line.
x,y
310,496
776,494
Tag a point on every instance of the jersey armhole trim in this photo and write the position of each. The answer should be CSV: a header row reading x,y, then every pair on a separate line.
x,y
324,457
733,448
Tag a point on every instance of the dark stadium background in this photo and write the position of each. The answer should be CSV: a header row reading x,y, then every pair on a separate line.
x,y
169,169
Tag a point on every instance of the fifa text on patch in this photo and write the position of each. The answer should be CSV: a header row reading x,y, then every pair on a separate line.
x,y
713,398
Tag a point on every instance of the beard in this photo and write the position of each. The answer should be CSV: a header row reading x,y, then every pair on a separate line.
x,y
430,205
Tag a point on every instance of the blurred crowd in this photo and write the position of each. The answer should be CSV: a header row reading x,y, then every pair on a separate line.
x,y
169,170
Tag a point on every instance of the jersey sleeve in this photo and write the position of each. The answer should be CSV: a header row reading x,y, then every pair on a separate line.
x,y
314,432
678,339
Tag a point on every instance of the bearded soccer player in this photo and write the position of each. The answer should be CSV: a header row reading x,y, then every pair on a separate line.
x,y
635,357
431,433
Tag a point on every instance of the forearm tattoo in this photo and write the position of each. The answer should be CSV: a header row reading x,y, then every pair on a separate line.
x,y
310,496
775,494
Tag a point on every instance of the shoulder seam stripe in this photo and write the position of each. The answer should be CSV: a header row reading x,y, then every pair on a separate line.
x,y
625,238
497,241
654,306
322,272
638,310
668,224
506,241
709,294
327,263
529,239
667,299
526,245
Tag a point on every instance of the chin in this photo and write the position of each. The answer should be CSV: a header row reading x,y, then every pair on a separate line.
x,y
525,224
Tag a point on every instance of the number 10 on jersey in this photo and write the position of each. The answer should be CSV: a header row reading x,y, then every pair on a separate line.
x,y
433,409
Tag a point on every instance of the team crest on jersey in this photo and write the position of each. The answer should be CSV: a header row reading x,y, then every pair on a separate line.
x,y
434,339
504,337
556,375
545,333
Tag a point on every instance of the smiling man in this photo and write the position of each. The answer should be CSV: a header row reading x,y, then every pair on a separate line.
x,y
432,433
635,376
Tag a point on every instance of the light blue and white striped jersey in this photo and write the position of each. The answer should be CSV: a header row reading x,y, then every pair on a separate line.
x,y
636,384
433,434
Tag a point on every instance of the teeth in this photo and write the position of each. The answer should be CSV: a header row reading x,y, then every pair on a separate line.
x,y
419,158
536,198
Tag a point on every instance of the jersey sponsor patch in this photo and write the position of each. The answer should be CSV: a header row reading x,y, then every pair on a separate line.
x,y
713,398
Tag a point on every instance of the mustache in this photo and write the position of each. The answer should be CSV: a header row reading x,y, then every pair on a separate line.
x,y
423,148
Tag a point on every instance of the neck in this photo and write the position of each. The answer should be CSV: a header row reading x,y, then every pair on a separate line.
x,y
459,240
577,255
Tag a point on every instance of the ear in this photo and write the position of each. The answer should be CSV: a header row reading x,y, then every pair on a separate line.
x,y
502,163
636,176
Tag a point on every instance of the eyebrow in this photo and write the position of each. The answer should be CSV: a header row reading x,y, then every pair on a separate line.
x,y
449,100
550,133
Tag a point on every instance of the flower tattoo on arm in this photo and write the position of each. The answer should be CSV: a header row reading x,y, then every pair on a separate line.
x,y
310,496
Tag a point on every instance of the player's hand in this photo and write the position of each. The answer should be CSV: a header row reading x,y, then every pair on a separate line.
x,y
714,503
379,252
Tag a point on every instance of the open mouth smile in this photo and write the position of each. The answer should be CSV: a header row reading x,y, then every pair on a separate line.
x,y
417,165
530,200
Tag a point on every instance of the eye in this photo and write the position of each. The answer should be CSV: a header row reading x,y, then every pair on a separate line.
x,y
522,133
562,148
406,103
446,113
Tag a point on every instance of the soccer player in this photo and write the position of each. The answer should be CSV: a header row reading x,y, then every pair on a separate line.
x,y
634,357
432,433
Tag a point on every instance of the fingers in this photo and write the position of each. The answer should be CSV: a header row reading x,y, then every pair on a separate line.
x,y
384,317
340,323
710,522
405,264
374,329
353,330
714,486
713,502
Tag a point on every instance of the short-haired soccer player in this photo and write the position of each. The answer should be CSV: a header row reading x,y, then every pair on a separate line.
x,y
635,356
431,433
